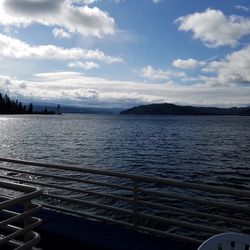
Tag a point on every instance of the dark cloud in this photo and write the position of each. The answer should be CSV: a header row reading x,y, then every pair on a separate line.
x,y
7,81
57,13
22,85
32,7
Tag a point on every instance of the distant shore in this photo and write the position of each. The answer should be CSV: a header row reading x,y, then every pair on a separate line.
x,y
172,109
11,107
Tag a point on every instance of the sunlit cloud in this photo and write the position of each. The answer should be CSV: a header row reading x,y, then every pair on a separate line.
x,y
233,69
84,65
242,7
77,89
61,33
159,74
15,48
63,14
215,29
187,63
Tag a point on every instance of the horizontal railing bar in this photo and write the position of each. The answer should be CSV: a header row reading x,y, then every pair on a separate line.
x,y
27,194
8,203
67,178
29,244
17,187
88,203
199,200
191,212
175,236
122,223
140,179
69,188
70,168
4,198
13,243
32,220
165,181
87,215
19,231
18,216
182,223
21,245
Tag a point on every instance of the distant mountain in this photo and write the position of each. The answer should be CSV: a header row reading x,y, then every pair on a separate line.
x,y
78,110
172,109
89,110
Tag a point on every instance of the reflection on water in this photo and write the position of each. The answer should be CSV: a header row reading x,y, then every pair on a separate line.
x,y
213,150
207,149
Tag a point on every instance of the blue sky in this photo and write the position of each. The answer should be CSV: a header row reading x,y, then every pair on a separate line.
x,y
110,53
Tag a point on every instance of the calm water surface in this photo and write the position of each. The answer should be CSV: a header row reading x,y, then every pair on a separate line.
x,y
208,149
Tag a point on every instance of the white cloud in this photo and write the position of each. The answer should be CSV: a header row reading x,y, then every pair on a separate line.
x,y
94,1
234,69
77,89
65,14
187,63
214,28
86,1
14,48
5,80
157,1
241,7
61,33
84,65
151,73
158,74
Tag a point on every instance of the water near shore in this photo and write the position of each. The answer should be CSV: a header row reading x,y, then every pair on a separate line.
x,y
204,149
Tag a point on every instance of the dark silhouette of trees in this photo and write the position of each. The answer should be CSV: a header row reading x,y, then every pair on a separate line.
x,y
58,109
24,109
30,109
7,106
20,108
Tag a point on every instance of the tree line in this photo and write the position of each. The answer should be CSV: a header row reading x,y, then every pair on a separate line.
x,y
8,106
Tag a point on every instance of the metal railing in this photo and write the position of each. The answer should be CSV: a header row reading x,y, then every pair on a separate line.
x,y
166,207
16,221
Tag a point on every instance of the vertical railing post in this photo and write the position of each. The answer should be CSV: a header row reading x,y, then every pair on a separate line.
x,y
27,205
135,203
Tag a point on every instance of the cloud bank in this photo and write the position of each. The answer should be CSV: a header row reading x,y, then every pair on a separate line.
x,y
234,69
15,48
76,89
215,29
64,14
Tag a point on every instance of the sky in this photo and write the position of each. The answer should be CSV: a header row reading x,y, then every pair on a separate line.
x,y
122,53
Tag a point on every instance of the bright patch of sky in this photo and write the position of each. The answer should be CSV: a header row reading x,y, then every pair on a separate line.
x,y
120,53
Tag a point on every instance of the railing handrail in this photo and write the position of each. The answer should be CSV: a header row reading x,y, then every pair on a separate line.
x,y
19,187
136,195
29,223
166,181
33,192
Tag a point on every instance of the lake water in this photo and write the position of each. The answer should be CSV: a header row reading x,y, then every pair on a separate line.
x,y
205,149
211,150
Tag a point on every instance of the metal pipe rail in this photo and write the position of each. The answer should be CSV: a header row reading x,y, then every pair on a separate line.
x,y
140,203
16,210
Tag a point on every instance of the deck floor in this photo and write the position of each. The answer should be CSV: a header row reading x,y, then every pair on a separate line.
x,y
63,231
